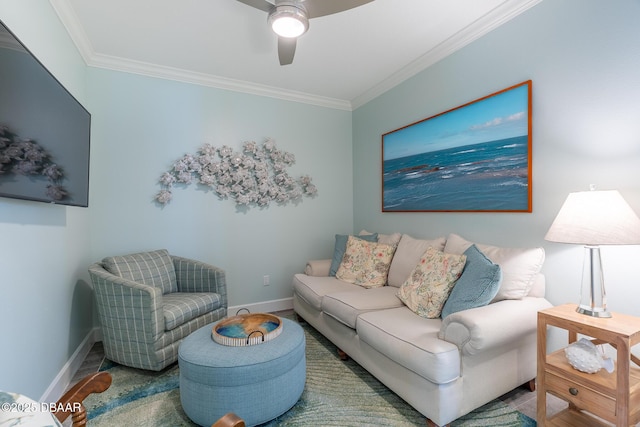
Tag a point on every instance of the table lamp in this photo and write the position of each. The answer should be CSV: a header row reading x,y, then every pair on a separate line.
x,y
594,218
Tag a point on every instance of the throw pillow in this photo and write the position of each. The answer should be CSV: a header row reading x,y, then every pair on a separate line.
x,y
341,246
477,286
407,256
154,268
365,263
387,239
429,285
520,266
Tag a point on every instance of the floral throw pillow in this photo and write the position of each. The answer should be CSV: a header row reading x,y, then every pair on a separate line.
x,y
365,263
431,281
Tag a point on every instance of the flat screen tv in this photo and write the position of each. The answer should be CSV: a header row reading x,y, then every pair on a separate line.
x,y
44,131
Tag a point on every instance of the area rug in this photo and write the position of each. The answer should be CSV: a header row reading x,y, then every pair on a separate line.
x,y
336,393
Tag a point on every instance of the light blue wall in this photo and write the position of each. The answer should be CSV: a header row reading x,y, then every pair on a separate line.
x,y
583,57
45,299
142,125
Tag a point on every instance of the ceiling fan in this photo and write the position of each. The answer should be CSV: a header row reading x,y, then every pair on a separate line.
x,y
289,19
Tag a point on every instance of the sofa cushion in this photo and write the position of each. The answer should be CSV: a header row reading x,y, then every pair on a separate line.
x,y
180,307
154,268
431,282
520,266
387,239
365,263
347,306
539,287
411,341
407,256
313,288
477,286
340,247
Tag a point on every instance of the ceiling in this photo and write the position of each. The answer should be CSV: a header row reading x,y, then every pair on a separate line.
x,y
343,61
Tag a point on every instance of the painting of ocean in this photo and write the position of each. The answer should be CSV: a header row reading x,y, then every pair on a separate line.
x,y
473,158
488,176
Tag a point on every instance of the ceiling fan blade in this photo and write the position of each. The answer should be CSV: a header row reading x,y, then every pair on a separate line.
x,y
316,8
258,4
286,49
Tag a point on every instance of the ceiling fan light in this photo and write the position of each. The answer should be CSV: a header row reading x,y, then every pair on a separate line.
x,y
288,21
287,27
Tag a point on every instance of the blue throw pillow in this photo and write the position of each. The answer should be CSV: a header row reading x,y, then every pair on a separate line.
x,y
478,284
341,247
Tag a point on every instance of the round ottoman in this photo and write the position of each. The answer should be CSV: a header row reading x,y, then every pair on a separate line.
x,y
258,382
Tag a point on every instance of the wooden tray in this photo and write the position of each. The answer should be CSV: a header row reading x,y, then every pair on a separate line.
x,y
247,329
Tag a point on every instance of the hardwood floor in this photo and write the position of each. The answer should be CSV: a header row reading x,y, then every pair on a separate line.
x,y
90,364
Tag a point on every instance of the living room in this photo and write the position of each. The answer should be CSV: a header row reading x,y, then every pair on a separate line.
x,y
582,57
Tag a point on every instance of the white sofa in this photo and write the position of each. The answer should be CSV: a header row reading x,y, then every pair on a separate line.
x,y
444,368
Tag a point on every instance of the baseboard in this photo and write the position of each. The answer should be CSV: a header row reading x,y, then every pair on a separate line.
x,y
60,383
263,307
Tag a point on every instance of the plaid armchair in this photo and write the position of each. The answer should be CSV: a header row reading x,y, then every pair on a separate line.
x,y
149,301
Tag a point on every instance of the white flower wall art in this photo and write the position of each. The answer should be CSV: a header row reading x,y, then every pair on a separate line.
x,y
256,176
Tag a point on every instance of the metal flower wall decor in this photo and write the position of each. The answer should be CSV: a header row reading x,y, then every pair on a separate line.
x,y
26,157
255,176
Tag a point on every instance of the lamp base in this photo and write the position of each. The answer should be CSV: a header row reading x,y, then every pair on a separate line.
x,y
593,298
593,313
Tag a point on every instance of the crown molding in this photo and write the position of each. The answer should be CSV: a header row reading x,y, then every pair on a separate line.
x,y
490,21
203,79
498,16
71,23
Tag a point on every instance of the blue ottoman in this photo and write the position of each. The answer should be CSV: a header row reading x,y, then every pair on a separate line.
x,y
258,382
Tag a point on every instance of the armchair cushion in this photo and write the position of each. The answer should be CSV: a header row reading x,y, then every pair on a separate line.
x,y
179,307
154,268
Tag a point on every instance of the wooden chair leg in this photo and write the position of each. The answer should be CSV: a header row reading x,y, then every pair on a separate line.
x,y
71,402
79,417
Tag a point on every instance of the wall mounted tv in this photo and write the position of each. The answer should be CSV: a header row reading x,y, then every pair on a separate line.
x,y
44,131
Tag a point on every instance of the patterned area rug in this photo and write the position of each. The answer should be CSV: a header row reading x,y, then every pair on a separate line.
x,y
336,393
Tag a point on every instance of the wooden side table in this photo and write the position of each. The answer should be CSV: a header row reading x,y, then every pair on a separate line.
x,y
612,397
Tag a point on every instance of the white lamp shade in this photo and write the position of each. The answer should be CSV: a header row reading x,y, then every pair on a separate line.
x,y
595,218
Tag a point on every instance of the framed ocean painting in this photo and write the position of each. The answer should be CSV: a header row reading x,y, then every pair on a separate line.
x,y
473,158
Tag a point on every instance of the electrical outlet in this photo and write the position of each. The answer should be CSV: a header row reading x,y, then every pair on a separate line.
x,y
265,280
